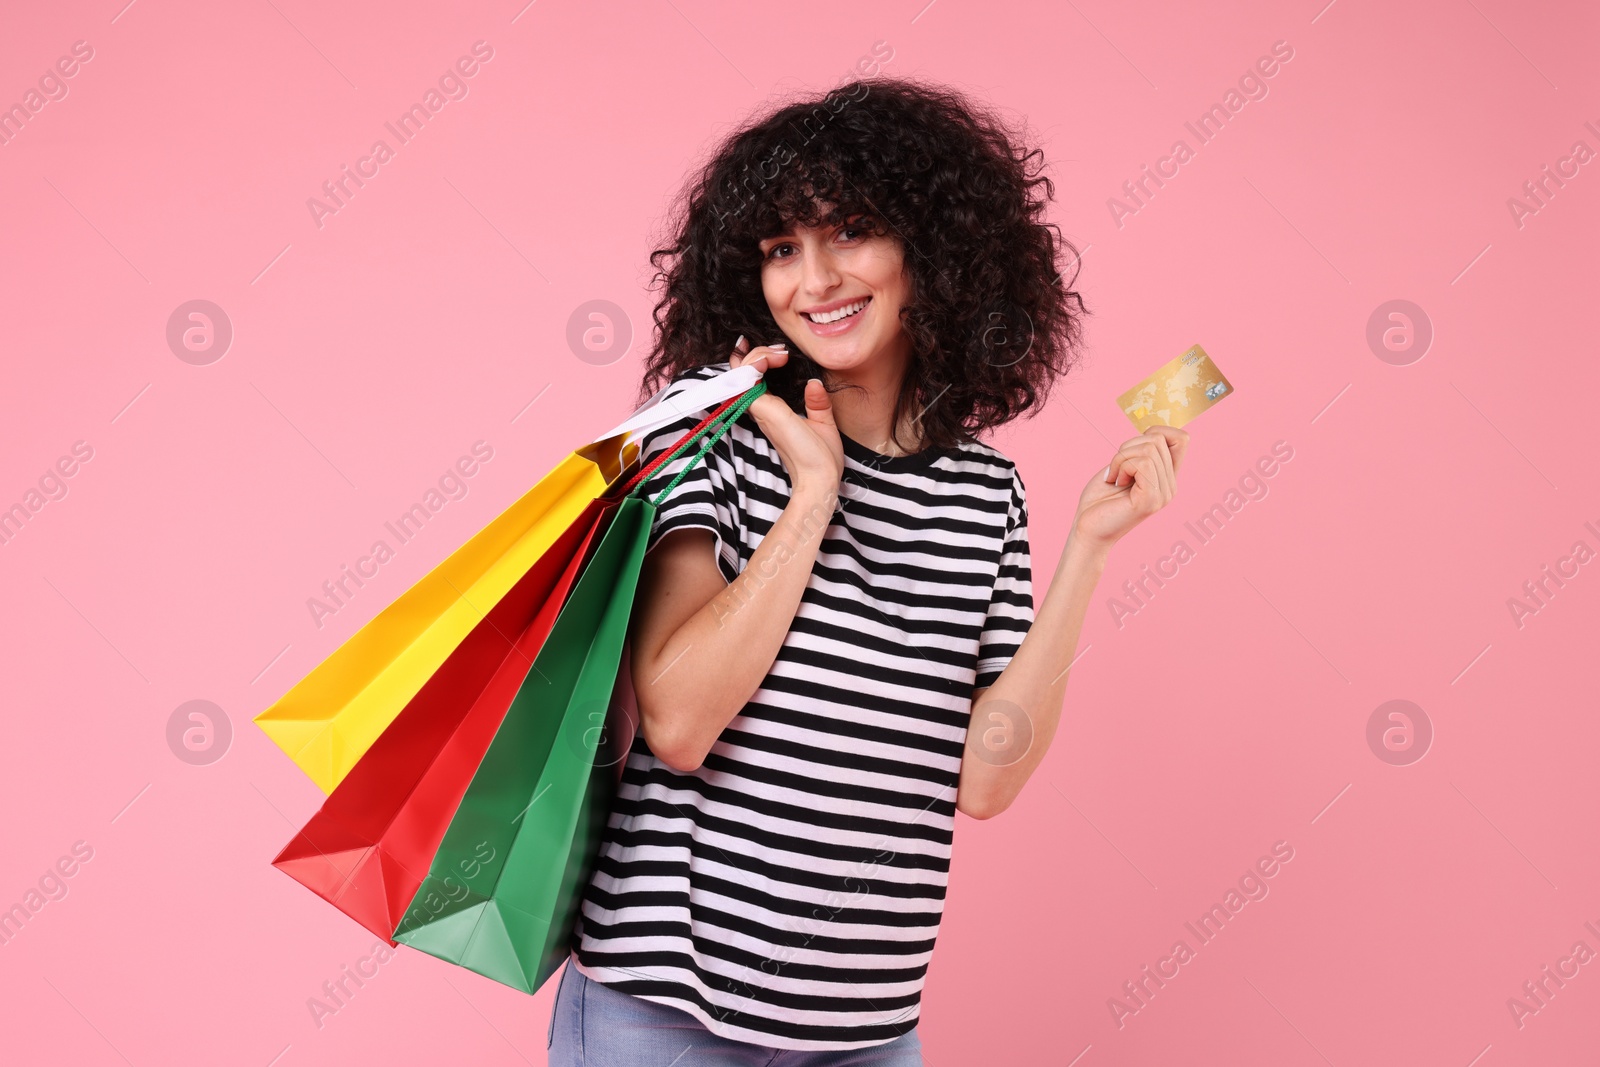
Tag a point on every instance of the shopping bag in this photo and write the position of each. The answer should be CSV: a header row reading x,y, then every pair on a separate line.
x,y
331,717
368,848
503,891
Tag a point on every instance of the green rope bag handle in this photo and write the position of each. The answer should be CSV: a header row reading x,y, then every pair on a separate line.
x,y
708,435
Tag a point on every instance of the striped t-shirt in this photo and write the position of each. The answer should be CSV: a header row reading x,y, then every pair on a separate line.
x,y
788,892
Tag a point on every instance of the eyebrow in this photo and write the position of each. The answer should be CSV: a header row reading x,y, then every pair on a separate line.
x,y
850,218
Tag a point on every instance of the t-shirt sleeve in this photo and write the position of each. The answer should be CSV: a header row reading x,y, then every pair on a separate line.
x,y
708,496
1011,607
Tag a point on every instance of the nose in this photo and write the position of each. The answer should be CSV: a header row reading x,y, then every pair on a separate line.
x,y
820,271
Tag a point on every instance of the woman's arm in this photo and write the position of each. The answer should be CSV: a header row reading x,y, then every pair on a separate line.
x,y
701,646
1014,720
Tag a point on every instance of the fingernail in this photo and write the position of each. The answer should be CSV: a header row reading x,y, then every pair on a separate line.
x,y
740,342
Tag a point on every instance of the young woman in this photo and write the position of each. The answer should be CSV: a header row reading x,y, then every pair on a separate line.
x,y
835,647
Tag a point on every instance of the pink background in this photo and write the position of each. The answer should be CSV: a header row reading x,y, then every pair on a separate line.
x,y
1228,714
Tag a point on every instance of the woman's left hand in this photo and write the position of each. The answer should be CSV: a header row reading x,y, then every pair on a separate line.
x,y
1140,480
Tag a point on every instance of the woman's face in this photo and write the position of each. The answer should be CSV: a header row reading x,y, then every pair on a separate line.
x,y
808,272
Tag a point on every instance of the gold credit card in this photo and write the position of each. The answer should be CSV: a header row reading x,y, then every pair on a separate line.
x,y
1176,393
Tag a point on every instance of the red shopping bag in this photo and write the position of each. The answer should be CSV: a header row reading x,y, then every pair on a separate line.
x,y
370,846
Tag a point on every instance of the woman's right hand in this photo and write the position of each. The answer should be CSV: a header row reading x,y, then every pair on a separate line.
x,y
810,447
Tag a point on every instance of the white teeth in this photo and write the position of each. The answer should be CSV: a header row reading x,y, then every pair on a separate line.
x,y
835,316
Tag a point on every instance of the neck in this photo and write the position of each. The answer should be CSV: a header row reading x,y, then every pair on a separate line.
x,y
864,411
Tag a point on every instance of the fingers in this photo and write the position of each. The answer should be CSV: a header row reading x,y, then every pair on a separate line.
x,y
819,406
1163,479
1165,475
1148,461
1117,473
1149,486
1128,448
765,357
1176,440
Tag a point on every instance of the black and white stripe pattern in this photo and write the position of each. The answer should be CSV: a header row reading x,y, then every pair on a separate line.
x,y
788,892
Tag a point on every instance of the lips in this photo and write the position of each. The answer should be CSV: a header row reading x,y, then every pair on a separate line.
x,y
837,312
840,326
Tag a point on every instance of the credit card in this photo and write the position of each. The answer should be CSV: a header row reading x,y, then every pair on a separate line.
x,y
1176,393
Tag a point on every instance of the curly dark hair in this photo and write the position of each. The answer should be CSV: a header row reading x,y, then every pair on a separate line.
x,y
991,320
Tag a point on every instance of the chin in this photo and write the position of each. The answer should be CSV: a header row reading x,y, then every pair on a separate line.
x,y
835,357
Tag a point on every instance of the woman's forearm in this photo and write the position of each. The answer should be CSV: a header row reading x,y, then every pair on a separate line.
x,y
712,663
1014,720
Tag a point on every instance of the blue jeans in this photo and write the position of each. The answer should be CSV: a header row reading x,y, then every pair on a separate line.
x,y
593,1025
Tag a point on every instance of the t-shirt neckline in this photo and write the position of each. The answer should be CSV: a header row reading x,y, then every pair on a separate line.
x,y
890,464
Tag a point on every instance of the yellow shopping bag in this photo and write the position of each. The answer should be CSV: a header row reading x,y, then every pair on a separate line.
x,y
329,719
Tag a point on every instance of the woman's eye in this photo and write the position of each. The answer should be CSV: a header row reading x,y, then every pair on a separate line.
x,y
858,230
772,253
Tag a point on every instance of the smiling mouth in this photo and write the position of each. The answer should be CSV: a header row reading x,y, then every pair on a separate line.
x,y
840,314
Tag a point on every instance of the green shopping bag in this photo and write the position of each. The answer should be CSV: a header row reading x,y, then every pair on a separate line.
x,y
503,891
